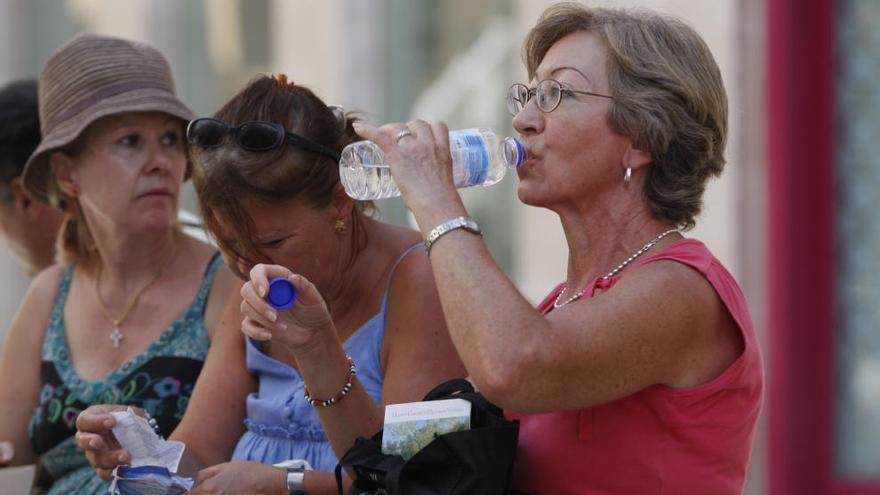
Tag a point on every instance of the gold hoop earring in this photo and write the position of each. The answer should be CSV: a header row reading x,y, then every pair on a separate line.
x,y
627,175
340,226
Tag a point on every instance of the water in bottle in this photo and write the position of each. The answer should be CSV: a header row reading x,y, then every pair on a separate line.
x,y
479,158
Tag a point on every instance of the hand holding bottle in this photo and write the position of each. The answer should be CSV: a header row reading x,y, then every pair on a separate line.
x,y
474,156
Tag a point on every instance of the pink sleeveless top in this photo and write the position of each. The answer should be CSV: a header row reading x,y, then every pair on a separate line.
x,y
660,440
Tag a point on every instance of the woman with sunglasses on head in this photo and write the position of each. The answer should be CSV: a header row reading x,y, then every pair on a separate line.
x,y
128,313
641,372
366,328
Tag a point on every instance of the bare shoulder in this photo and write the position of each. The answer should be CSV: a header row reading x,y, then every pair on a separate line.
x,y
225,284
415,264
223,287
46,282
410,287
417,352
413,279
40,296
29,324
684,306
671,281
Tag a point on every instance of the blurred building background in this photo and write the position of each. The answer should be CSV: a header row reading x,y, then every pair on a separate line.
x,y
793,216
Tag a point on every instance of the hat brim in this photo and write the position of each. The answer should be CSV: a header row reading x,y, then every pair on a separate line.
x,y
36,174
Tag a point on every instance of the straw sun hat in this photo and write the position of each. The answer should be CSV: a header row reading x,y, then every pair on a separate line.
x,y
90,77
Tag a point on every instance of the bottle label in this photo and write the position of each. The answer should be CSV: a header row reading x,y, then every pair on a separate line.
x,y
474,156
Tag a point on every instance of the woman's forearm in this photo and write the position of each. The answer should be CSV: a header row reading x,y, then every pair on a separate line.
x,y
325,371
494,328
189,465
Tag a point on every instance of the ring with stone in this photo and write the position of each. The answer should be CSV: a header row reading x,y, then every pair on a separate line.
x,y
402,134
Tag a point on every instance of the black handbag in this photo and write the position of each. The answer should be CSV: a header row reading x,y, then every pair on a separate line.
x,y
478,460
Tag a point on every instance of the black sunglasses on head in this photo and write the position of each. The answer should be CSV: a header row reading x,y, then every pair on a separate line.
x,y
252,136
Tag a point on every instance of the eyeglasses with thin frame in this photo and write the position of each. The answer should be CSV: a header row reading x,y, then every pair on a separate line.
x,y
252,136
548,92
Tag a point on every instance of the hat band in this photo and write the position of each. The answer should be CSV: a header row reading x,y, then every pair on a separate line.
x,y
103,94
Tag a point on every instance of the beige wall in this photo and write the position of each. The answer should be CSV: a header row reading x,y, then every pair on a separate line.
x,y
306,44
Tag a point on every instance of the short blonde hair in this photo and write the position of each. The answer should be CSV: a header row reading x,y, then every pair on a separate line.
x,y
669,98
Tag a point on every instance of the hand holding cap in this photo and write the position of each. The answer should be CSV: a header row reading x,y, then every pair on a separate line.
x,y
282,293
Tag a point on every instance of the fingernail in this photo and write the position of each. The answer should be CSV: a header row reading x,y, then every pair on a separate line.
x,y
262,291
282,326
273,316
267,336
121,458
357,126
108,423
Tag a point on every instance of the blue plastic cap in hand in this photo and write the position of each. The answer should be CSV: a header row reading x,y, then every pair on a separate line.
x,y
282,293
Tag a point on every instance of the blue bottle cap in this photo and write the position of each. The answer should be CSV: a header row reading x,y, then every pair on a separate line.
x,y
513,152
282,293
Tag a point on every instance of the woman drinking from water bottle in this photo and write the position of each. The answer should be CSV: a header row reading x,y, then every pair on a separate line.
x,y
640,373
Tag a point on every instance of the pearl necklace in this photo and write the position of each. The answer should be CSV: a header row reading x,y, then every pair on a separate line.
x,y
649,245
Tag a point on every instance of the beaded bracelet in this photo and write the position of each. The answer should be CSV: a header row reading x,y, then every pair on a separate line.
x,y
342,393
153,424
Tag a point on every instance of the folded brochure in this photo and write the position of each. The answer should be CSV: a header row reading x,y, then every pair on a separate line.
x,y
411,426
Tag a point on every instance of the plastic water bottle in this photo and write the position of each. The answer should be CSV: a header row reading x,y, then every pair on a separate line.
x,y
479,158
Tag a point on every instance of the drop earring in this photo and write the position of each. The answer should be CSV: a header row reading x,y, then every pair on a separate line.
x,y
627,175
340,226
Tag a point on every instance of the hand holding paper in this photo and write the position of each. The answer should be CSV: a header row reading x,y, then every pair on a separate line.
x,y
153,460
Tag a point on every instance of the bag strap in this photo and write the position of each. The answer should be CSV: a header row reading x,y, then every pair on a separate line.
x,y
450,388
338,472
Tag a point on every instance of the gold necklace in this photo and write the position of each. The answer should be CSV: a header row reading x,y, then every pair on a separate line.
x,y
116,335
647,246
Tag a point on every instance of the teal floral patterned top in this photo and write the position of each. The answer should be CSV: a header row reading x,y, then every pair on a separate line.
x,y
160,380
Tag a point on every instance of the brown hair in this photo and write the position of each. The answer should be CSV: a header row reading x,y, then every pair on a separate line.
x,y
226,174
669,98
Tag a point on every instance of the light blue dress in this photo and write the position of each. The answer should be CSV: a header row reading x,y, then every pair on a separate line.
x,y
280,424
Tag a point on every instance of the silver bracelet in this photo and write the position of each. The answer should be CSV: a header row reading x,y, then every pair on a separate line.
x,y
448,226
295,479
296,469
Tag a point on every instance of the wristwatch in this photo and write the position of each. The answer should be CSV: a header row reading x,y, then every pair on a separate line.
x,y
466,223
295,477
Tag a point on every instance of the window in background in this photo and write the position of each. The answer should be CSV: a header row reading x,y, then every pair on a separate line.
x,y
452,61
858,241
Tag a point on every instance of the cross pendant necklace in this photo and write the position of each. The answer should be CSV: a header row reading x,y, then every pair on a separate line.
x,y
116,335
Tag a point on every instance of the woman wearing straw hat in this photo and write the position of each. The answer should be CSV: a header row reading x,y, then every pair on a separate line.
x,y
128,313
